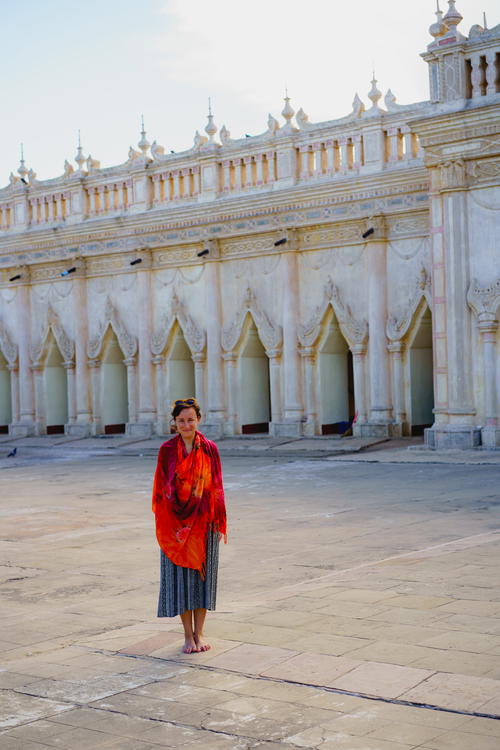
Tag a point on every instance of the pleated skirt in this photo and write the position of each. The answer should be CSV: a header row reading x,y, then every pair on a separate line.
x,y
183,588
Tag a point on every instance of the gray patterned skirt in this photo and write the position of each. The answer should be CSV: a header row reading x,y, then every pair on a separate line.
x,y
183,588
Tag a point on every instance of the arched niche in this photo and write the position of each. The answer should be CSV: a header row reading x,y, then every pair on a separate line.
x,y
420,374
254,399
179,367
55,386
114,394
5,396
335,378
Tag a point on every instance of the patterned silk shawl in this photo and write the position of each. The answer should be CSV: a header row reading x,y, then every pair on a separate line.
x,y
188,500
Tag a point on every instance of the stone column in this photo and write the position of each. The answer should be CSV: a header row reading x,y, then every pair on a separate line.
x,y
308,355
215,408
490,434
396,349
82,425
293,408
130,364
95,370
161,405
145,368
40,424
70,379
14,393
359,377
274,356
458,430
380,419
26,421
199,375
491,71
231,424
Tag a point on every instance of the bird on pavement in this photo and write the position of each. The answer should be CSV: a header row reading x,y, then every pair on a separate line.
x,y
12,453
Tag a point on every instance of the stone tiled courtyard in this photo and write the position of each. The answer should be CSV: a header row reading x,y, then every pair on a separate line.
x,y
358,607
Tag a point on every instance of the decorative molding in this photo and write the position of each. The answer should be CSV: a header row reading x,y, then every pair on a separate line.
x,y
484,301
399,325
7,346
194,336
270,334
354,331
65,344
127,342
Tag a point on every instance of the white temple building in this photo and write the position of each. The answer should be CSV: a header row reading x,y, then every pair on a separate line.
x,y
294,281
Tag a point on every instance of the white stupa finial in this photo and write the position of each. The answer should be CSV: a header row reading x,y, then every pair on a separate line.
x,y
438,28
374,94
287,111
79,158
452,17
22,171
210,127
143,143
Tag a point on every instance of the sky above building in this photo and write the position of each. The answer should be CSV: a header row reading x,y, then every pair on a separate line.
x,y
98,66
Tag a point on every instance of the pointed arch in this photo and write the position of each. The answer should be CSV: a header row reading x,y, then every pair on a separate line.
x,y
270,334
398,326
54,327
162,338
7,347
112,319
335,377
354,331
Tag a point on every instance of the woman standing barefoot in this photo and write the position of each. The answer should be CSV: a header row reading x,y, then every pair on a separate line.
x,y
188,503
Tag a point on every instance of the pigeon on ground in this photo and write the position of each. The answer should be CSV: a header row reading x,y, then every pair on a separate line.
x,y
12,453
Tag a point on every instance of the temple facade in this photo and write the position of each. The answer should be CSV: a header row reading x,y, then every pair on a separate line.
x,y
300,281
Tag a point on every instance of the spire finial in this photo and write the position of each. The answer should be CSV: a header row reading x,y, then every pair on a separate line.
x,y
210,127
79,158
439,27
143,143
452,17
485,23
374,94
22,171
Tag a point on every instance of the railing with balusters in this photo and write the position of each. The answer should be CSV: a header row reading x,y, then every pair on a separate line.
x,y
323,151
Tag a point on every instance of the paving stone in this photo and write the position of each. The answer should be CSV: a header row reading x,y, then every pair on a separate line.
x,y
327,644
406,733
455,691
462,741
251,658
314,669
17,708
417,602
384,680
191,694
392,653
476,643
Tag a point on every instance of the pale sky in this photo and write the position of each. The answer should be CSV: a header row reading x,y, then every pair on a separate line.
x,y
98,65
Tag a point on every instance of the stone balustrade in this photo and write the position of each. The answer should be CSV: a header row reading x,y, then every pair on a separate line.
x,y
278,159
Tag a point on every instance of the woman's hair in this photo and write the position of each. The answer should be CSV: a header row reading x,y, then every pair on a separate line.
x,y
185,403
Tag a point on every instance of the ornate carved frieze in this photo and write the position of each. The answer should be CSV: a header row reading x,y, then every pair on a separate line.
x,y
193,334
270,333
484,300
483,171
65,344
127,342
7,346
399,324
355,331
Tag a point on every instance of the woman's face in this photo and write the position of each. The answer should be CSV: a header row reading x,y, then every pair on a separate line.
x,y
187,423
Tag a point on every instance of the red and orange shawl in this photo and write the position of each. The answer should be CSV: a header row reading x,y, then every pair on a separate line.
x,y
188,500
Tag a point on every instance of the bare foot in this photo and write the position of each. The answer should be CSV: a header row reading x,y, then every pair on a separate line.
x,y
190,646
201,644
